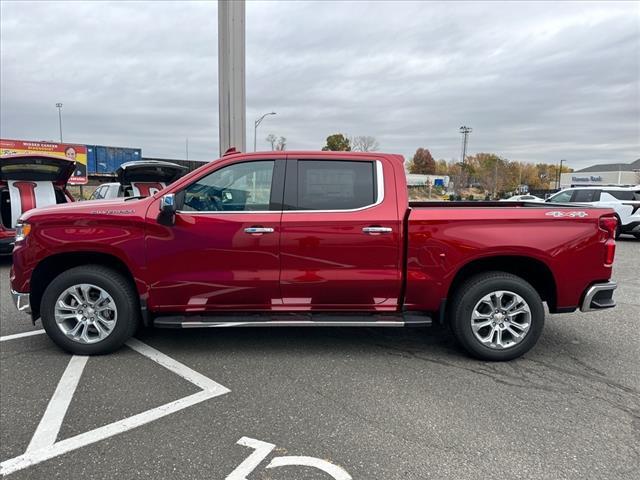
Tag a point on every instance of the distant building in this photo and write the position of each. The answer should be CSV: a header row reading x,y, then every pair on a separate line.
x,y
603,174
420,180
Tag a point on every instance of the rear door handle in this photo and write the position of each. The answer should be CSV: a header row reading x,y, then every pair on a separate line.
x,y
258,230
377,230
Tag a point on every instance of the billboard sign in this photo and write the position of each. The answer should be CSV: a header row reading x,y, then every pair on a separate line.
x,y
77,153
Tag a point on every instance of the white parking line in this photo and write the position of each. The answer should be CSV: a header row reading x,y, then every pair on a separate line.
x,y
20,335
49,426
41,448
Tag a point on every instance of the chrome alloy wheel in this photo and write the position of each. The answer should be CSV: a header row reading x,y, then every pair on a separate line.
x,y
86,313
501,319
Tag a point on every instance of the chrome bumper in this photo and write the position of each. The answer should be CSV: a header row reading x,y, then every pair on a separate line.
x,y
21,301
599,296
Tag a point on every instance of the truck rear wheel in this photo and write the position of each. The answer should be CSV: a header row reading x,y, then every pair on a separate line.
x,y
497,316
90,310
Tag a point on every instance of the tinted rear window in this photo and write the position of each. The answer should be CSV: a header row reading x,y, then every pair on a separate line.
x,y
585,196
624,194
335,185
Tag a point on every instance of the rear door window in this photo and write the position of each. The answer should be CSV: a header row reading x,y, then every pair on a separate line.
x,y
335,184
585,196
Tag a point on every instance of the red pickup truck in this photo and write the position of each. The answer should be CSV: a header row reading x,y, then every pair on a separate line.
x,y
308,239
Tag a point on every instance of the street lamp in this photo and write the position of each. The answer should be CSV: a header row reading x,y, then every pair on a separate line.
x,y
255,128
59,107
560,174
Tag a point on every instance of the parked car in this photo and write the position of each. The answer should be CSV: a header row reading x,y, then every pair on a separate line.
x,y
523,198
624,200
139,178
309,239
26,182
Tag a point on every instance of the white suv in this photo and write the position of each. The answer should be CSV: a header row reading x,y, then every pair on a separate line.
x,y
624,200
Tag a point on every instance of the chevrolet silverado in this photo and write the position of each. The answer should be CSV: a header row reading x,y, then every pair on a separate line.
x,y
309,239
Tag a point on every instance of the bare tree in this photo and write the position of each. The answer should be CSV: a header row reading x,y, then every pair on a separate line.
x,y
282,143
272,139
364,143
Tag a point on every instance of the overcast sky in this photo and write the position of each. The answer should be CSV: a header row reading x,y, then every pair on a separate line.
x,y
537,81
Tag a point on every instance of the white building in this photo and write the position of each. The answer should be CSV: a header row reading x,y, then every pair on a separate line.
x,y
619,174
418,180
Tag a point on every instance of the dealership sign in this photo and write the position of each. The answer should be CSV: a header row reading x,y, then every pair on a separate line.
x,y
591,178
77,153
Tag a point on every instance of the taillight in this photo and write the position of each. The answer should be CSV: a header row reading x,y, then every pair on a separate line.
x,y
609,225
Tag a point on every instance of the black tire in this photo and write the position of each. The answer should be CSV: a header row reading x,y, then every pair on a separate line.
x,y
120,289
471,292
637,235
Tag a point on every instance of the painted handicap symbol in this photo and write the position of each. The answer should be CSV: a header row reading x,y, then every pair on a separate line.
x,y
262,451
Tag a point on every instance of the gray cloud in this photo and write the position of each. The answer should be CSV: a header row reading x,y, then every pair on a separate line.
x,y
536,81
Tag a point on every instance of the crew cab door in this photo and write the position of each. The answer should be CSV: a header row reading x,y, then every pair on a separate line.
x,y
223,250
340,242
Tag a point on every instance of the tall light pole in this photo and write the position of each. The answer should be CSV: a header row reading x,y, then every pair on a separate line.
x,y
465,131
560,174
59,107
255,128
231,75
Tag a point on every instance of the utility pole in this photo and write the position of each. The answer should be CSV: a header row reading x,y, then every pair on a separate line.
x,y
59,107
465,132
186,146
255,128
559,175
231,75
495,182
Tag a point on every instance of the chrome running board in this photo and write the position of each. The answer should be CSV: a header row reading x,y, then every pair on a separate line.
x,y
302,320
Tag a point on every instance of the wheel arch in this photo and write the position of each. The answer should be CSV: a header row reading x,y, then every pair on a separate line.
x,y
530,269
53,265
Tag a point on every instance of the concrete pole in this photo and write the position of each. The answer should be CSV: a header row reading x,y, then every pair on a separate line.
x,y
231,75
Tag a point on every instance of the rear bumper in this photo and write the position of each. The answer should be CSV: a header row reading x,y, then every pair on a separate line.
x,y
21,301
599,296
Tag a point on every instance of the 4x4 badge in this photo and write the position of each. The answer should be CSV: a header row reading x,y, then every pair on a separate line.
x,y
558,214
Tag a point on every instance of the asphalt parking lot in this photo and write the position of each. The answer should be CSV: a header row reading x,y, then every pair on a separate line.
x,y
328,403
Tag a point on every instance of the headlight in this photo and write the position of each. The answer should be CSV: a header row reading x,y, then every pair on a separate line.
x,y
22,231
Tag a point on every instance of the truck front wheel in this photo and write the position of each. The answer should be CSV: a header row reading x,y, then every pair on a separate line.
x,y
497,316
90,310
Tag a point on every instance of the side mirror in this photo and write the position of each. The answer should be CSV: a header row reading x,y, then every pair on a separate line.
x,y
167,215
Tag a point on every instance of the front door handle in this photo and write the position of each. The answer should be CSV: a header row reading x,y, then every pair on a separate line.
x,y
377,230
258,230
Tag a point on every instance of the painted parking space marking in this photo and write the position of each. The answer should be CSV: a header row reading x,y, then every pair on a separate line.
x,y
49,426
43,445
262,451
21,335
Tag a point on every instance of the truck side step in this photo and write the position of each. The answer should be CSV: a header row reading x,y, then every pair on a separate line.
x,y
292,320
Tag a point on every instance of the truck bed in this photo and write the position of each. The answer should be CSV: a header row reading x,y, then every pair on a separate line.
x,y
444,236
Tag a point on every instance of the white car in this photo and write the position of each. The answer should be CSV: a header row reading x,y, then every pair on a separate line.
x,y
139,179
523,198
624,200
